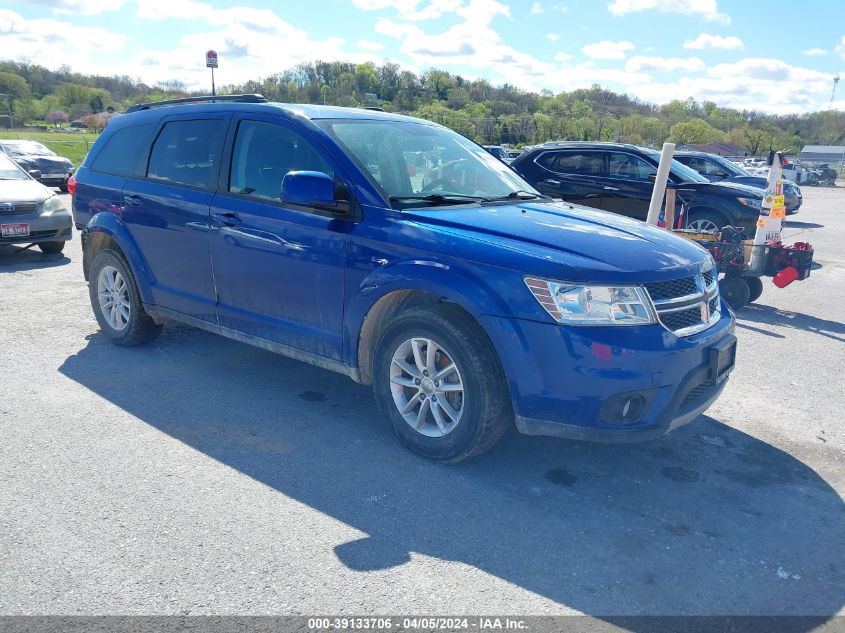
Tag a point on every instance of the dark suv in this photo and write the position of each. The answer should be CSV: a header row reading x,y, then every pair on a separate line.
x,y
618,178
403,255
720,169
31,156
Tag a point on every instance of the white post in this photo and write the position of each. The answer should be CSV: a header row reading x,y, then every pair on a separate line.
x,y
772,213
660,183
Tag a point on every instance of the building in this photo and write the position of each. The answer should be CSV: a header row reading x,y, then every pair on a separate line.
x,y
720,149
822,154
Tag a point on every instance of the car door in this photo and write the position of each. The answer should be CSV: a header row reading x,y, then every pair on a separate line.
x,y
278,268
572,174
167,211
627,187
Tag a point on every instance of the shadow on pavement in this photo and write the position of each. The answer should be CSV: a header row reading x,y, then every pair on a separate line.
x,y
16,258
790,224
707,520
768,315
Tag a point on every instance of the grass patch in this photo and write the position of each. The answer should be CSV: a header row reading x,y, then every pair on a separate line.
x,y
72,145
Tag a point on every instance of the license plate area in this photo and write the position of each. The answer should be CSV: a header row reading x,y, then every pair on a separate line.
x,y
722,360
14,230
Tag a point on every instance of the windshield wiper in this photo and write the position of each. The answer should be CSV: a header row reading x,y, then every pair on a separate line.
x,y
438,199
519,194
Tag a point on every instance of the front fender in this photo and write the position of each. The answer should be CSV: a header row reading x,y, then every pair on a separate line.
x,y
465,288
108,224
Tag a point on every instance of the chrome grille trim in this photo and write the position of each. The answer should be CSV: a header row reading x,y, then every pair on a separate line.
x,y
682,314
18,208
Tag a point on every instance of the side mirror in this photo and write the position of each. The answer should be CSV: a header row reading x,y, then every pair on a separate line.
x,y
35,173
313,189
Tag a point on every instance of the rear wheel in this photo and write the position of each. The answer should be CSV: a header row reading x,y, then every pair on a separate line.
x,y
117,303
755,288
734,291
50,248
705,221
438,382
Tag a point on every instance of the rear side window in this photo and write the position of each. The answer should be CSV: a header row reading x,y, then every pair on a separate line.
x,y
187,152
578,163
629,167
125,151
264,152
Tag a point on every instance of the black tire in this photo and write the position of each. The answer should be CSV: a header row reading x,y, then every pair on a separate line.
x,y
755,288
63,188
139,328
487,411
706,215
734,291
51,248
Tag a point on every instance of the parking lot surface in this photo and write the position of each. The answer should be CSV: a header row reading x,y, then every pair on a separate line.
x,y
197,475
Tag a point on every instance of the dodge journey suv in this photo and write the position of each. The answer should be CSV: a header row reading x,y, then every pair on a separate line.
x,y
404,256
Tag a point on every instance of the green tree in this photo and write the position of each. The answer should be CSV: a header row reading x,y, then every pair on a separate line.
x,y
694,131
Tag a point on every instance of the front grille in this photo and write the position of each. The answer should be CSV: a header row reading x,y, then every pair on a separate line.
x,y
17,208
688,305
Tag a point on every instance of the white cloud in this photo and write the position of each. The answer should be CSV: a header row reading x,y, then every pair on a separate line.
x,y
409,9
641,63
607,49
536,8
80,7
55,43
163,9
367,45
552,37
840,48
708,9
562,57
815,52
706,40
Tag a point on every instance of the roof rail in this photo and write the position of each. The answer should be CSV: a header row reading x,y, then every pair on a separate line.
x,y
203,99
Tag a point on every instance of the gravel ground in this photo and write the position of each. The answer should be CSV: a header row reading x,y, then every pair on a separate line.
x,y
197,475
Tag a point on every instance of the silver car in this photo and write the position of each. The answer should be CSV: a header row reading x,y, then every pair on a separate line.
x,y
29,212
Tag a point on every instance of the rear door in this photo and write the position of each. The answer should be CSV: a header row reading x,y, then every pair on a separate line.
x,y
627,187
574,175
167,211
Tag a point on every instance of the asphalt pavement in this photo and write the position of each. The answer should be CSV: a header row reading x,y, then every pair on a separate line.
x,y
197,475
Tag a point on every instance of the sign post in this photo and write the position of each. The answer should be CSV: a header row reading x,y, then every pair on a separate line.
x,y
772,213
211,62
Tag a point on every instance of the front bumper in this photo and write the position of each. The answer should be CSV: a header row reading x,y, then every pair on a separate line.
x,y
562,379
51,227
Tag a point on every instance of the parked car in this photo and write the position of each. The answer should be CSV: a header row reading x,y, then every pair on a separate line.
x,y
718,169
619,178
30,155
499,152
466,298
29,212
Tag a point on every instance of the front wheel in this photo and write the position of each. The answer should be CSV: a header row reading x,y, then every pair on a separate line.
x,y
51,248
705,221
438,382
117,303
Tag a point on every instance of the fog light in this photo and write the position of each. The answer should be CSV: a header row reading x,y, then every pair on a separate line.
x,y
625,408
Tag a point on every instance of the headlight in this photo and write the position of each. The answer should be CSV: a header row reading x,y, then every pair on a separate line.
x,y
51,204
576,304
754,203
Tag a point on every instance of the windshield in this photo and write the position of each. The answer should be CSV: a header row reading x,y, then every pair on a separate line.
x,y
732,168
9,170
26,148
680,172
415,163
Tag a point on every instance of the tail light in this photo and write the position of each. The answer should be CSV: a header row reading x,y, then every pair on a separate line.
x,y
71,185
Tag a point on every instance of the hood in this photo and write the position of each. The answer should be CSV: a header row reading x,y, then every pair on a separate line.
x,y
23,191
593,244
46,163
723,188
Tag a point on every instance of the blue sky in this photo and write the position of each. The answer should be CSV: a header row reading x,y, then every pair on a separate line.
x,y
777,56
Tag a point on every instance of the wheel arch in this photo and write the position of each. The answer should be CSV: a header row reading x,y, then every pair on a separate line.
x,y
106,231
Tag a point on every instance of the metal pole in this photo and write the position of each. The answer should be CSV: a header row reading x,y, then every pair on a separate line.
x,y
213,91
660,183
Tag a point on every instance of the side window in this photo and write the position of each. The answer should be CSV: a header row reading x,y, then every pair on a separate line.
x,y
264,152
578,163
186,152
124,151
712,168
629,167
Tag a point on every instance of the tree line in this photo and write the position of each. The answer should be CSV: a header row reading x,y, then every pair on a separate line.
x,y
486,113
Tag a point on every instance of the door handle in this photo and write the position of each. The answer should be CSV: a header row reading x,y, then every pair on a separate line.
x,y
609,188
551,181
132,200
228,218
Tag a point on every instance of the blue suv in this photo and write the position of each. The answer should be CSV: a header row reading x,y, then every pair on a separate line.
x,y
405,256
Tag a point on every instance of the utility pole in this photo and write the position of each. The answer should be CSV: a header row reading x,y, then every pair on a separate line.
x,y
830,105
